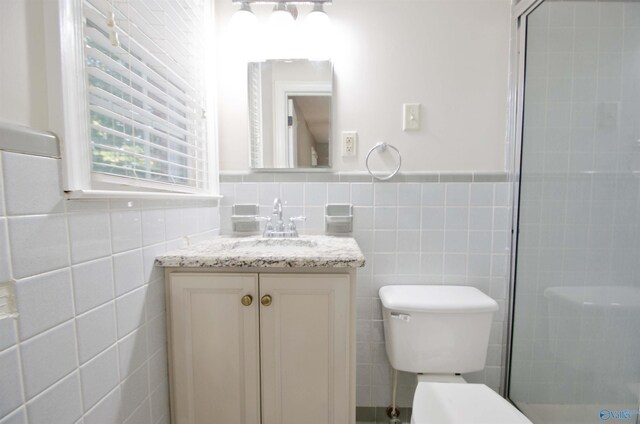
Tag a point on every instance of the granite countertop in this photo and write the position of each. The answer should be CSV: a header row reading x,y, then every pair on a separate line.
x,y
259,252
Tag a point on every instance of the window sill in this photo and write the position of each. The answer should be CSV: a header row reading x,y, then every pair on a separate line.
x,y
129,195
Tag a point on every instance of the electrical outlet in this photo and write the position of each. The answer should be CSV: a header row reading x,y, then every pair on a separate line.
x,y
349,143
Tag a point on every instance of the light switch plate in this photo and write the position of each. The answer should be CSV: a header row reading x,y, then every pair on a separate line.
x,y
411,117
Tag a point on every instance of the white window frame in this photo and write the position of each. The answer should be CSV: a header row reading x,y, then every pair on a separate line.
x,y
69,111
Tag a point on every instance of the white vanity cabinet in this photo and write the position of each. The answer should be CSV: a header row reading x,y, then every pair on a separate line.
x,y
214,355
270,347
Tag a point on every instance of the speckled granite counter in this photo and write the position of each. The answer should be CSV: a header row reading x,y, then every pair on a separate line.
x,y
259,252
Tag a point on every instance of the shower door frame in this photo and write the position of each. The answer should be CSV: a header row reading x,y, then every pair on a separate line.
x,y
520,12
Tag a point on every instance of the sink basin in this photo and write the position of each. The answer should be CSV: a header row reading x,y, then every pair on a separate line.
x,y
267,243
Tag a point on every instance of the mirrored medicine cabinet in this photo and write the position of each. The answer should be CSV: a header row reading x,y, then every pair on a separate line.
x,y
290,111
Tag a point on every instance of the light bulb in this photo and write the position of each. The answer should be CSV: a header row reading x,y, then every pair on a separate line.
x,y
281,32
281,18
243,30
318,34
318,20
244,19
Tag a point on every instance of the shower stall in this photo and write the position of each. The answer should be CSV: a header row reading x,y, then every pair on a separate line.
x,y
574,342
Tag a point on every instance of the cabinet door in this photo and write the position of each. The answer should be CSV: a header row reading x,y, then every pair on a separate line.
x,y
304,339
214,349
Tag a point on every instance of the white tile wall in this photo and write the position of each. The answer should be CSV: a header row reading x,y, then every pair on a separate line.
x,y
130,311
132,350
89,236
5,266
315,194
267,193
128,271
410,233
338,193
8,333
19,416
156,333
294,193
126,230
39,243
48,357
61,403
89,343
28,192
43,301
96,331
11,388
153,226
92,284
158,369
159,404
135,389
99,376
142,415
107,410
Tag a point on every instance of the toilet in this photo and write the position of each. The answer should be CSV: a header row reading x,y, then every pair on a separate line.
x,y
439,333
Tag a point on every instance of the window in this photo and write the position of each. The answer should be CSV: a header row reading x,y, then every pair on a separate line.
x,y
143,95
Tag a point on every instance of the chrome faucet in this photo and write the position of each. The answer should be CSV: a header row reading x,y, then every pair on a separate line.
x,y
277,211
276,228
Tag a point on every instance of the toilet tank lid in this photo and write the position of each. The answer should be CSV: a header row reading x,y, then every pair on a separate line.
x,y
436,299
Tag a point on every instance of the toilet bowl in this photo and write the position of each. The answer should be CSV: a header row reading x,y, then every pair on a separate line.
x,y
456,403
441,332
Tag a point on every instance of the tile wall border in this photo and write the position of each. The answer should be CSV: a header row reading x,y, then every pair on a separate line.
x,y
20,139
363,177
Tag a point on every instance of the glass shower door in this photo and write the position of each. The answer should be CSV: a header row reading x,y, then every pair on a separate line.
x,y
575,349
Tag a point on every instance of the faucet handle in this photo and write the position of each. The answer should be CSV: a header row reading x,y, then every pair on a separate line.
x,y
268,227
292,224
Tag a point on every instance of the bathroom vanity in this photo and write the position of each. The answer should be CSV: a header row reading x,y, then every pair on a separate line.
x,y
262,330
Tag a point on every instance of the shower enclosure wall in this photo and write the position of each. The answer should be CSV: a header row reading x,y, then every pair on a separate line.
x,y
575,335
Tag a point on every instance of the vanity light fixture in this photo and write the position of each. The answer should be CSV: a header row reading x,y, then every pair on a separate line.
x,y
284,36
285,11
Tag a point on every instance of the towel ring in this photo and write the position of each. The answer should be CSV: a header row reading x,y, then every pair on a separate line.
x,y
383,147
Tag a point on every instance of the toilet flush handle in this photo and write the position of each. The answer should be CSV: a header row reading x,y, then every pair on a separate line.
x,y
401,317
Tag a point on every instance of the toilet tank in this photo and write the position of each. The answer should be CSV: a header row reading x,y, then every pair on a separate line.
x,y
436,329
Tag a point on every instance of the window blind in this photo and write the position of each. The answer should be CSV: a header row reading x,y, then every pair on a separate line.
x,y
146,94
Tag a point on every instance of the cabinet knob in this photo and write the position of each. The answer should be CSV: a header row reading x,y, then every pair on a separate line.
x,y
247,300
266,300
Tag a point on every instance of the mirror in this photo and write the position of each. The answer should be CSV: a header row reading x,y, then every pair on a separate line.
x,y
290,114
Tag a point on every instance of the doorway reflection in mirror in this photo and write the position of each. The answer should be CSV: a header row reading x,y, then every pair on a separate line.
x,y
290,114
